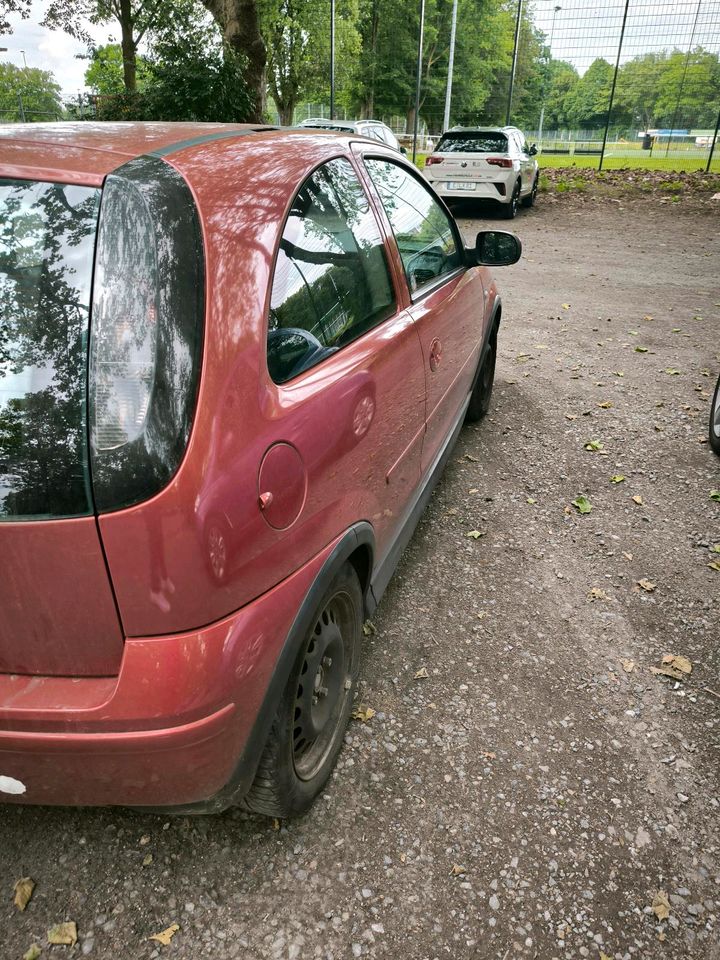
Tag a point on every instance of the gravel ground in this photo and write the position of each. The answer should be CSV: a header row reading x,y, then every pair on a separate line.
x,y
541,787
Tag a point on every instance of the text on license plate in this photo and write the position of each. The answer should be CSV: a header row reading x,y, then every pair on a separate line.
x,y
454,185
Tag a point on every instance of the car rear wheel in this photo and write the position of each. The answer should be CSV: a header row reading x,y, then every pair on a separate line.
x,y
510,209
482,393
310,722
714,435
529,200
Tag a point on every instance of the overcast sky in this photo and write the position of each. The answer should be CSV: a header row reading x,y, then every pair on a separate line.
x,y
51,50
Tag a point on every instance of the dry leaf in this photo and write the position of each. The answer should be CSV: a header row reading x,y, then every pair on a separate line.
x,y
605,406
63,934
647,585
714,565
628,665
147,859
33,953
276,824
457,870
570,416
471,458
368,628
488,755
363,713
628,556
566,306
638,500
668,672
422,674
475,534
23,891
597,594
677,662
166,935
661,905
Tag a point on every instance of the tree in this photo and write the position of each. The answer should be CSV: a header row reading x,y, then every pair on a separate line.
x,y
29,93
104,76
586,105
561,78
135,18
240,25
21,7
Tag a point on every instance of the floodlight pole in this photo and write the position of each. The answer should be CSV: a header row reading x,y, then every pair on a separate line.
x,y
514,60
712,145
419,77
332,59
614,83
451,64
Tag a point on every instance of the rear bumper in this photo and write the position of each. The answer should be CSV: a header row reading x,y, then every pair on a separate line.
x,y
169,730
476,190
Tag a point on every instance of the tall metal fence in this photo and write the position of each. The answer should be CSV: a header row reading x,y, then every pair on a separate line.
x,y
646,71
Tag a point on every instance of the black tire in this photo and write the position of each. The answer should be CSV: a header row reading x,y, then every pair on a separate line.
x,y
529,200
510,209
482,393
309,725
714,427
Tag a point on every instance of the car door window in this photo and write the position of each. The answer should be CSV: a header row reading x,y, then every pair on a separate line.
x,y
331,281
424,233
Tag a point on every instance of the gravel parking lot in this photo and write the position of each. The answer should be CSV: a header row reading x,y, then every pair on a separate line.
x,y
527,787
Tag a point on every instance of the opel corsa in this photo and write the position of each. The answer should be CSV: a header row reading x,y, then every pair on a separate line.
x,y
233,362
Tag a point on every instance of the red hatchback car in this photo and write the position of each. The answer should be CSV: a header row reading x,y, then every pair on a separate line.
x,y
233,363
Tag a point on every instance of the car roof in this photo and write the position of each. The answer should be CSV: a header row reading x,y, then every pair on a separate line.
x,y
488,129
86,152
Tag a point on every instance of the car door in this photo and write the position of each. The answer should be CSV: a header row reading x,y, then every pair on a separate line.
x,y
526,164
346,387
446,300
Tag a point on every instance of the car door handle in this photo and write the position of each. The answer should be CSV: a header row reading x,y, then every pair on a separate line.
x,y
435,354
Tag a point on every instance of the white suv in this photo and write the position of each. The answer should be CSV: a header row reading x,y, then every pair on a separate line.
x,y
484,163
366,128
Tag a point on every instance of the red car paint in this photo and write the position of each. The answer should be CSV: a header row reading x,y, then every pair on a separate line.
x,y
136,647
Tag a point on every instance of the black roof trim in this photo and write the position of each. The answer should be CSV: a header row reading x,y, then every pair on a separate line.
x,y
205,138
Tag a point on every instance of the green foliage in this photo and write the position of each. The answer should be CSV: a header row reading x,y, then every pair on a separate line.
x,y
188,74
28,94
104,76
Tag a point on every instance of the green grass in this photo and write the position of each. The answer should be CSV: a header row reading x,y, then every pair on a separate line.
x,y
640,162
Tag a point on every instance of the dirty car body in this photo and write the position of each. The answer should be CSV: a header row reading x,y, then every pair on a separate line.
x,y
234,362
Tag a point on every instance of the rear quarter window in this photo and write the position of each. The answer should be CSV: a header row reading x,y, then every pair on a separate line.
x,y
47,238
472,142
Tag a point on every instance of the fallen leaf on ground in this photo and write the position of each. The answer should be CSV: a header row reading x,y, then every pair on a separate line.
x,y
672,372
422,674
668,672
457,870
475,534
582,504
661,905
715,495
618,478
715,548
63,934
628,665
618,373
641,349
647,585
23,891
605,406
594,445
368,628
471,458
628,556
531,500
488,755
677,662
33,953
648,317
714,565
147,859
361,712
566,306
570,416
597,594
638,500
276,824
166,935
604,956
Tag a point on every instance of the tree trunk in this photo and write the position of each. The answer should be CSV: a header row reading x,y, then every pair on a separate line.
x,y
238,21
410,120
129,50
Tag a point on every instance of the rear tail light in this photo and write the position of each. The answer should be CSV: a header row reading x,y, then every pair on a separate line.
x,y
499,162
145,332
431,161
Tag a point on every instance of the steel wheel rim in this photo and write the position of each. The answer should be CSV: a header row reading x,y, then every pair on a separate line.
x,y
324,686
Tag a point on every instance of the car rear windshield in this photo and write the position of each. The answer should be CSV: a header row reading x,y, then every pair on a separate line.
x,y
47,238
473,141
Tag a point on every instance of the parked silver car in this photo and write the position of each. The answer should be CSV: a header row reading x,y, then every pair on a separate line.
x,y
366,128
485,163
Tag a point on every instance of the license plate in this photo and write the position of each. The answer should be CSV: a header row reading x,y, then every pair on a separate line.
x,y
454,185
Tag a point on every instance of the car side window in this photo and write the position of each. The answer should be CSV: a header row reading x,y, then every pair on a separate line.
x,y
331,281
423,231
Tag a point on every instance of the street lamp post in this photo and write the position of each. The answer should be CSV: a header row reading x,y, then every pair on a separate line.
x,y
542,109
24,60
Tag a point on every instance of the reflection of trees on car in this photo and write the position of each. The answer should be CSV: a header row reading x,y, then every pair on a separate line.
x,y
46,244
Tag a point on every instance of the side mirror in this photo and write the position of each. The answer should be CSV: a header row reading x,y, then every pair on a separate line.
x,y
533,150
495,248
